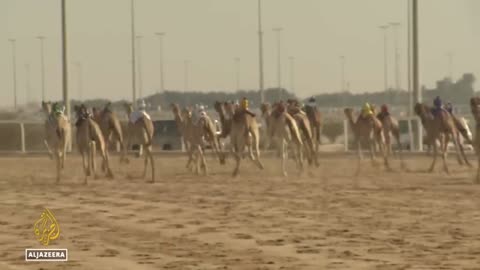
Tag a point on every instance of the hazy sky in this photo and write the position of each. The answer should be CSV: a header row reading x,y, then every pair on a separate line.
x,y
211,33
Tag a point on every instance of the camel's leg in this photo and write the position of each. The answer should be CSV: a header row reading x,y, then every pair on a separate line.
x,y
58,165
238,144
217,149
457,142
255,142
85,165
435,151
50,153
477,180
63,152
93,153
297,155
383,148
359,155
444,146
202,160
106,161
145,165
372,147
190,153
388,142
148,153
313,152
140,150
400,154
283,149
128,143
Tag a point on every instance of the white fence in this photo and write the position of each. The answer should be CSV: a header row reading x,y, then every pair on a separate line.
x,y
28,136
408,126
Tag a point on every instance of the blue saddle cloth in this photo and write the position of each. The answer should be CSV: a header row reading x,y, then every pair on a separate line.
x,y
436,111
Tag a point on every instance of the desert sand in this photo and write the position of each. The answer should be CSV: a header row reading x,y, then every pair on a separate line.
x,y
325,219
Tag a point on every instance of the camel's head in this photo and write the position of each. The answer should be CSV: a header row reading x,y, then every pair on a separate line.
x,y
187,112
218,106
421,109
475,107
107,107
348,112
265,108
175,108
47,107
128,106
230,107
81,111
97,114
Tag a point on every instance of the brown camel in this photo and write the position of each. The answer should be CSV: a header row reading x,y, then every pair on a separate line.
x,y
111,128
305,130
315,118
89,136
225,121
390,128
200,131
367,130
283,131
440,127
244,132
57,136
475,107
179,120
141,130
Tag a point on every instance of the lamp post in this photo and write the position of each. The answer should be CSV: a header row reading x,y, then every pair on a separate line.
x,y
342,64
140,79
292,74
162,82
385,58
260,52
415,69
14,71
278,31
66,98
395,26
79,81
132,41
28,92
42,63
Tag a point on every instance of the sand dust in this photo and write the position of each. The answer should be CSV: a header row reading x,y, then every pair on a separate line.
x,y
326,219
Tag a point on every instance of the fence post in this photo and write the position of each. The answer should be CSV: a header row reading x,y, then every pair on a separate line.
x,y
410,134
22,136
345,133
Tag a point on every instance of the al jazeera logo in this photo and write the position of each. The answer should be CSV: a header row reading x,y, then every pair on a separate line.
x,y
46,230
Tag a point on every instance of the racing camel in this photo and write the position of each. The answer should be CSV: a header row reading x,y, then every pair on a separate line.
x,y
57,135
140,130
89,136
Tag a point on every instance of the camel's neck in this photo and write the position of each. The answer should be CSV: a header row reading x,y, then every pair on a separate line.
x,y
178,117
221,114
425,118
351,121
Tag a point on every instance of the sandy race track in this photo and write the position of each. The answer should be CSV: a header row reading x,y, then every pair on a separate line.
x,y
326,220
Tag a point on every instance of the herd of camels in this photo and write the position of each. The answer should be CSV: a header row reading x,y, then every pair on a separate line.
x,y
289,128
